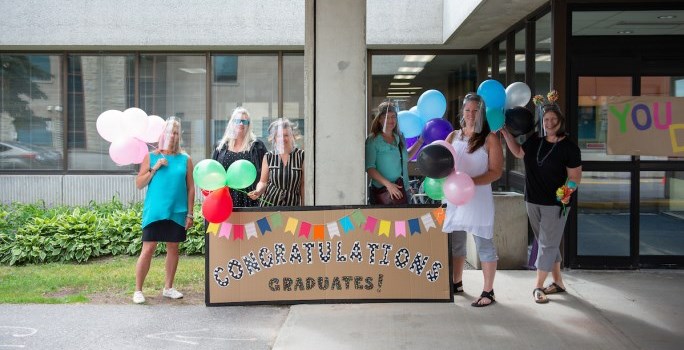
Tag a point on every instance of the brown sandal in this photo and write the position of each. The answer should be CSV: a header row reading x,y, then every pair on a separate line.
x,y
489,295
539,296
553,288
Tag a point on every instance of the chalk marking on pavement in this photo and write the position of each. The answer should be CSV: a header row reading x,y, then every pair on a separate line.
x,y
28,332
182,338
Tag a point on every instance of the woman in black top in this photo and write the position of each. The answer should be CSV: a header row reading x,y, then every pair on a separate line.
x,y
550,162
282,171
238,142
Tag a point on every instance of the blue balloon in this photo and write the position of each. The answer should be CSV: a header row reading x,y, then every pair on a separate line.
x,y
495,118
431,105
409,124
493,93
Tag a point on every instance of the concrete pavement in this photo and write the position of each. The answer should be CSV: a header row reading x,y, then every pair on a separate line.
x,y
602,310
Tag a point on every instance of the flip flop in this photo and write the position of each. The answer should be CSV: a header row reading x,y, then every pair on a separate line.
x,y
539,296
553,288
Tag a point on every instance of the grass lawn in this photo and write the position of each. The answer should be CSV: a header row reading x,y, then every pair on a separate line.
x,y
104,281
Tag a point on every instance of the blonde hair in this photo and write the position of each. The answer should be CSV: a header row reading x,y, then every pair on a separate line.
x,y
229,136
175,148
282,123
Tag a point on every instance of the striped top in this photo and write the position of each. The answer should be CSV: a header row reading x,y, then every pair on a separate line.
x,y
284,181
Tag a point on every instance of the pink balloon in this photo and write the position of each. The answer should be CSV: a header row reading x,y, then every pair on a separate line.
x,y
155,127
124,151
134,121
449,147
109,125
458,188
142,151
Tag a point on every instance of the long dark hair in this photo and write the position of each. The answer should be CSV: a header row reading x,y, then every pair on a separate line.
x,y
478,139
376,125
552,107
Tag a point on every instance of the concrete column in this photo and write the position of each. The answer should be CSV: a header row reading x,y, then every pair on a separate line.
x,y
335,87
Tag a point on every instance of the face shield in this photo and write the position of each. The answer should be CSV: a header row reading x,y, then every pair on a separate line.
x,y
479,117
167,139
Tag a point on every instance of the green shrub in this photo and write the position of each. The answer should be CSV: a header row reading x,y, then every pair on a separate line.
x,y
34,233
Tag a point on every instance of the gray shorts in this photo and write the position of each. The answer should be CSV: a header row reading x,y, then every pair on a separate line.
x,y
485,247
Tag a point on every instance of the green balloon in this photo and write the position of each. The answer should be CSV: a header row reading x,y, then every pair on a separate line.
x,y
434,188
240,174
209,175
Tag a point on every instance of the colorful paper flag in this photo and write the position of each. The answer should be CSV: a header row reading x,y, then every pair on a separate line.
x,y
346,224
212,228
225,230
333,229
238,232
251,230
319,232
291,225
370,224
304,229
439,215
358,218
277,220
384,228
414,226
428,222
263,225
399,228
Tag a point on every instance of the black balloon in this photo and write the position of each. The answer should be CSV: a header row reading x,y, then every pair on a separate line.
x,y
435,161
519,121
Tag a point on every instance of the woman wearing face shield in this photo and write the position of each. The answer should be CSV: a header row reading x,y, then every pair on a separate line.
x,y
387,157
239,142
480,156
168,206
282,172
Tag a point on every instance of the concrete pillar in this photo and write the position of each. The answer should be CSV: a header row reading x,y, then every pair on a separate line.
x,y
335,88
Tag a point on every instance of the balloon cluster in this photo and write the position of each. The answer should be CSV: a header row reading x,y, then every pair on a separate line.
x,y
497,99
210,176
443,180
129,132
425,119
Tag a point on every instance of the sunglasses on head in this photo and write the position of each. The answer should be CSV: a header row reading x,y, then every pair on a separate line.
x,y
241,121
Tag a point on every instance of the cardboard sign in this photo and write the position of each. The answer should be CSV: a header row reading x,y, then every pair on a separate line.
x,y
645,125
328,254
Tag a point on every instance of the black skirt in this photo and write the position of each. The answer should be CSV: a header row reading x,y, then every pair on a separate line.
x,y
164,231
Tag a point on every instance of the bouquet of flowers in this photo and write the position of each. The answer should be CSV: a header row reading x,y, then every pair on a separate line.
x,y
564,192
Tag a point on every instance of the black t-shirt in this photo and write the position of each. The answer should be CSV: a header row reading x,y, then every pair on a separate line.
x,y
546,168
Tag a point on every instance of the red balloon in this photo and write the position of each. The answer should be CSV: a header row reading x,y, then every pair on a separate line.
x,y
218,206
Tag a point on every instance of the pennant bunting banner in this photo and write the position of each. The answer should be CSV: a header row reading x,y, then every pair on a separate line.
x,y
225,230
384,229
399,228
427,221
238,232
439,215
346,224
370,224
212,228
319,232
291,225
333,230
277,220
414,226
304,229
358,218
251,230
263,225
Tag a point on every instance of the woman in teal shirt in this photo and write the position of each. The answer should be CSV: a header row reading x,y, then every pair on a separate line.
x,y
168,206
386,154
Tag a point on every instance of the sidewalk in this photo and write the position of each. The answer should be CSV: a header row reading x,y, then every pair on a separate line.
x,y
602,310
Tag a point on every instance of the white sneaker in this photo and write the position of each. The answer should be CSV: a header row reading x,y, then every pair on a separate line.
x,y
172,293
138,297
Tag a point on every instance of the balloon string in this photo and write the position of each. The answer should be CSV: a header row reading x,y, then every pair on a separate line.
x,y
247,193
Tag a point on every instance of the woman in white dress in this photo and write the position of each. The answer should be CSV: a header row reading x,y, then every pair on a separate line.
x,y
480,156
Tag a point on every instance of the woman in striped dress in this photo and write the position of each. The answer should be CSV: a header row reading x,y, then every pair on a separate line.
x,y
282,171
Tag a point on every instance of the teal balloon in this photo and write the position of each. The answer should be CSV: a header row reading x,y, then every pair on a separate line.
x,y
409,124
209,175
493,93
431,104
433,188
241,174
495,118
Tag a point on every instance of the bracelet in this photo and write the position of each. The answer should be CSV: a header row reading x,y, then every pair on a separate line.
x,y
151,170
189,216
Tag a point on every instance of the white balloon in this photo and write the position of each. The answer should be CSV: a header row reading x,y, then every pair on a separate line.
x,y
109,125
135,121
155,127
517,94
124,151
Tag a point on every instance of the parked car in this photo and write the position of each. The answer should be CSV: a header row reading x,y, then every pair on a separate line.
x,y
16,155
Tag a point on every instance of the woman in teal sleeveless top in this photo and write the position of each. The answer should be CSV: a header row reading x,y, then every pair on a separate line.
x,y
168,206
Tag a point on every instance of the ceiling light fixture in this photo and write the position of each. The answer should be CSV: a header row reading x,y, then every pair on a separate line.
x,y
396,83
404,76
410,69
667,17
418,58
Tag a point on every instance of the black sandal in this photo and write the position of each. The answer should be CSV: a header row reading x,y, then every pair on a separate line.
x,y
489,295
458,287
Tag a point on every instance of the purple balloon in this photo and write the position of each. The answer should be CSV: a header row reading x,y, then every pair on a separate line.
x,y
436,129
410,141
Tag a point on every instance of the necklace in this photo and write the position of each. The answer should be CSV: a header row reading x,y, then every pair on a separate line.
x,y
541,162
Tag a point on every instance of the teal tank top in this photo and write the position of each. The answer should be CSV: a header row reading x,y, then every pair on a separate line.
x,y
167,192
